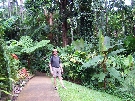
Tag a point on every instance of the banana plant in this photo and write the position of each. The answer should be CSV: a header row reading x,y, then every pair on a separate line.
x,y
105,51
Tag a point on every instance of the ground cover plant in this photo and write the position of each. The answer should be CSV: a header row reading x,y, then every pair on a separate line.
x,y
75,92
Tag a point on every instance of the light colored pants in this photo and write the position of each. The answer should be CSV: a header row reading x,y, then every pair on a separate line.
x,y
56,72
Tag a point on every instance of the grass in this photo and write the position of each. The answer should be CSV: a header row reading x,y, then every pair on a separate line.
x,y
76,92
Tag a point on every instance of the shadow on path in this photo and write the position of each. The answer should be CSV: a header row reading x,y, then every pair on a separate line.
x,y
39,88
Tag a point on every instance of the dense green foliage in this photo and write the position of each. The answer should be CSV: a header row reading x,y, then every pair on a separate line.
x,y
99,39
110,70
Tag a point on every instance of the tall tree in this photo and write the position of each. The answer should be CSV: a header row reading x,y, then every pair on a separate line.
x,y
21,9
9,8
64,21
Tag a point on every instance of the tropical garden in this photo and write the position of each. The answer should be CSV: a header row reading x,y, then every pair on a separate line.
x,y
95,40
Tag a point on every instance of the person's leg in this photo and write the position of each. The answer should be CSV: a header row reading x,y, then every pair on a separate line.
x,y
61,81
55,83
60,78
54,78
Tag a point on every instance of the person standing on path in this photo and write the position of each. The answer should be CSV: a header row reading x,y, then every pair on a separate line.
x,y
56,68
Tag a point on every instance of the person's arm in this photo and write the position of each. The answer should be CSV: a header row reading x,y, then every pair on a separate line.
x,y
61,67
51,70
50,66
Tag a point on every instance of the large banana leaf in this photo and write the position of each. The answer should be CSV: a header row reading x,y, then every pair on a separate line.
x,y
93,62
100,77
113,72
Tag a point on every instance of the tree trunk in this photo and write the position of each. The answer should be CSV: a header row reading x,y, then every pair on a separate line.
x,y
29,61
16,7
106,17
64,33
21,9
3,2
51,19
134,29
64,22
9,9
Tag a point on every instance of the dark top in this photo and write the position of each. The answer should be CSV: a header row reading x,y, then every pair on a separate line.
x,y
55,61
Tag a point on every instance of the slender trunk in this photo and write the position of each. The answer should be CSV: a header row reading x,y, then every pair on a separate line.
x,y
9,9
72,34
64,33
134,29
123,23
104,69
64,22
45,12
106,17
29,61
21,9
51,19
16,7
133,24
3,8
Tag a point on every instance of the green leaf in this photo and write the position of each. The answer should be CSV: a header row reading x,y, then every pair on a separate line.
x,y
93,61
130,60
114,72
101,77
35,46
78,44
6,92
117,51
2,78
12,79
107,41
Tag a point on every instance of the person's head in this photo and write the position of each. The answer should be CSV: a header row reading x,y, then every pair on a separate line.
x,y
54,52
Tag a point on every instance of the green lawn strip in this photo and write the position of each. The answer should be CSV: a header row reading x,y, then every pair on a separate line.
x,y
76,92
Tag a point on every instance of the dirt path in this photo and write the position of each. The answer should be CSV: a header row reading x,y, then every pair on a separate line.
x,y
39,88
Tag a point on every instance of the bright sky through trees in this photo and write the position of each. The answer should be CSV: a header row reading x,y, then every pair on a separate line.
x,y
128,2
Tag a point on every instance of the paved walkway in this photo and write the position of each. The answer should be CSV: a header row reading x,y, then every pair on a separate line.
x,y
39,88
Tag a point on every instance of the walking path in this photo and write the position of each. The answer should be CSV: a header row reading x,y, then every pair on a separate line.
x,y
39,88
